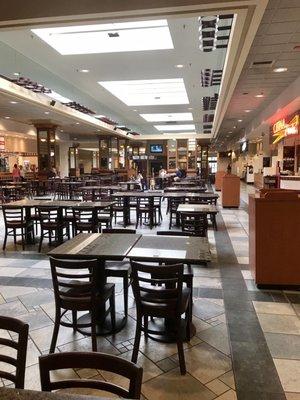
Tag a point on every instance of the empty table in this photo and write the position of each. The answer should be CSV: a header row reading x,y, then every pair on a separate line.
x,y
210,209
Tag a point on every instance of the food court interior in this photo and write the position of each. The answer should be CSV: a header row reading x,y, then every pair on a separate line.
x,y
149,190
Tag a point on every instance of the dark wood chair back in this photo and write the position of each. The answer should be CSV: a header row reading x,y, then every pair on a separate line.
x,y
85,219
157,289
13,215
74,283
19,362
49,216
194,223
99,361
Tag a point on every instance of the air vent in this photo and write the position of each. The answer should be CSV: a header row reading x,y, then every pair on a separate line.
x,y
113,34
262,64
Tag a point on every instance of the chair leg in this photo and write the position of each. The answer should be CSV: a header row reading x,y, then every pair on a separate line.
x,y
5,240
125,291
112,310
41,241
55,331
146,327
137,339
93,331
22,238
181,356
74,320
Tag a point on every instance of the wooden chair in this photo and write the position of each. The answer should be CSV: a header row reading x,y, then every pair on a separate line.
x,y
20,345
172,207
99,361
51,221
16,224
76,288
85,220
120,269
159,293
194,223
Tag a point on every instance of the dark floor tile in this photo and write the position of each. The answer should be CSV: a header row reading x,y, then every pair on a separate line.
x,y
260,296
244,326
206,309
254,367
31,282
208,293
293,297
256,395
279,297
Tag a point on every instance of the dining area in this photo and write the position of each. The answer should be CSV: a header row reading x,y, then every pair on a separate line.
x,y
114,265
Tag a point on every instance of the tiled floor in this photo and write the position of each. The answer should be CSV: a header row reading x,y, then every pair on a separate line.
x,y
247,342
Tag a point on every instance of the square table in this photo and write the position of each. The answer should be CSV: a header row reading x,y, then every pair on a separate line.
x,y
100,246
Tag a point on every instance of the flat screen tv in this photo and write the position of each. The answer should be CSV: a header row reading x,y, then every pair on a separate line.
x,y
156,148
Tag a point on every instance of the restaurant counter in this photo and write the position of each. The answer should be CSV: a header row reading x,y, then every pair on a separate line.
x,y
290,182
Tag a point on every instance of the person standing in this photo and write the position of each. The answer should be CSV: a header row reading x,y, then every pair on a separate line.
x,y
22,173
16,173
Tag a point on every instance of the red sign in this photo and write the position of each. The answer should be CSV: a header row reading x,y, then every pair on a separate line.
x,y
282,129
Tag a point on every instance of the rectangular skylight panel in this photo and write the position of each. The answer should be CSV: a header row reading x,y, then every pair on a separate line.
x,y
168,117
148,92
183,128
108,38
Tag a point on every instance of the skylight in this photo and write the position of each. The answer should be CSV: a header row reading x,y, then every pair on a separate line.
x,y
183,128
108,38
168,117
148,92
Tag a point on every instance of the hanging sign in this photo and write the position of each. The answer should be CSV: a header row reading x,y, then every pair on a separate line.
x,y
282,129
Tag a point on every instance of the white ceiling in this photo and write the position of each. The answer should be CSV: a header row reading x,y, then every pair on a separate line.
x,y
278,34
138,65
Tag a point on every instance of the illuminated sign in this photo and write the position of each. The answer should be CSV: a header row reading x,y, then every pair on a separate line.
x,y
282,129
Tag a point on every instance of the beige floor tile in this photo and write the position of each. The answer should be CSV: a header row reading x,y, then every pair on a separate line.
x,y
243,260
217,337
85,344
173,386
158,351
10,292
264,307
42,337
230,395
205,282
292,396
150,370
1,299
7,271
206,363
217,386
289,374
289,324
199,324
32,378
296,308
228,379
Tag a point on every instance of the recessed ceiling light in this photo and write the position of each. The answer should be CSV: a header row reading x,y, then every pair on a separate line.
x,y
189,127
190,108
75,138
247,111
77,123
85,71
13,102
259,95
230,132
167,117
179,66
135,110
7,117
16,73
148,92
108,38
47,112
280,69
61,130
240,120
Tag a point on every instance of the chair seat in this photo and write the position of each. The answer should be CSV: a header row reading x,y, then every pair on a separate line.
x,y
53,225
161,309
18,224
117,269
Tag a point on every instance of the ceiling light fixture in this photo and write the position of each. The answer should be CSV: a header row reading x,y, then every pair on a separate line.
x,y
47,112
190,108
240,120
148,92
77,123
280,69
247,111
13,102
7,117
259,95
167,117
108,38
85,71
179,66
16,73
188,127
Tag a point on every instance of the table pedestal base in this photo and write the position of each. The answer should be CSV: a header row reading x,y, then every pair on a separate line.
x,y
169,336
102,328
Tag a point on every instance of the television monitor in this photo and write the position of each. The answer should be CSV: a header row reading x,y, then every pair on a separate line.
x,y
156,148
